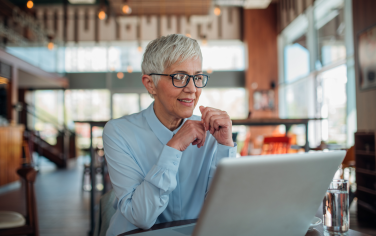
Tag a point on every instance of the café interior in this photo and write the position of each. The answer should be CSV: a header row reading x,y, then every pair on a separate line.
x,y
294,76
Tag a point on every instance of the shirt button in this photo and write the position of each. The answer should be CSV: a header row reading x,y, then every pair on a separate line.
x,y
175,163
177,156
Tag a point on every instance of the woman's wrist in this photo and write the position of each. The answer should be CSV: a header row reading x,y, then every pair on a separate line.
x,y
174,145
229,143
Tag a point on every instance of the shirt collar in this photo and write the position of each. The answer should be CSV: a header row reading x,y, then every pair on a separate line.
x,y
162,132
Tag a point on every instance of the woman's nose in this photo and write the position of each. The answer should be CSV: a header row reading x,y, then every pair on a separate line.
x,y
190,86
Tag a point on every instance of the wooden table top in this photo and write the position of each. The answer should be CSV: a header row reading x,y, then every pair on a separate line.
x,y
271,121
317,231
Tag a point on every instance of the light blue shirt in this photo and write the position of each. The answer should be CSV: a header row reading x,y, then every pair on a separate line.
x,y
153,182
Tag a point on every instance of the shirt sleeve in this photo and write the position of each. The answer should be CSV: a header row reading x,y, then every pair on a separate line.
x,y
141,197
221,152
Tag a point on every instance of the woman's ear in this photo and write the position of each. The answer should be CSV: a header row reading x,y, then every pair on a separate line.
x,y
149,84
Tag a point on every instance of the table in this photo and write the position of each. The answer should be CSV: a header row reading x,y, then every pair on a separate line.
x,y
277,121
92,197
318,231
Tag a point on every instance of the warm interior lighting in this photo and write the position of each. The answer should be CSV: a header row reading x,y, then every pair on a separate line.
x,y
188,35
81,1
129,69
29,4
127,9
204,42
50,45
209,71
120,75
139,48
217,11
102,15
3,80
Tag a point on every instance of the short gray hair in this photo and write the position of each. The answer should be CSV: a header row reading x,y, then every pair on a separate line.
x,y
165,51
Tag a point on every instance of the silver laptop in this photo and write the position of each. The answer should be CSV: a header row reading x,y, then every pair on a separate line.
x,y
263,195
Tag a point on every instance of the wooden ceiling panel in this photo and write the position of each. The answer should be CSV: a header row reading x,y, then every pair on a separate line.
x,y
163,7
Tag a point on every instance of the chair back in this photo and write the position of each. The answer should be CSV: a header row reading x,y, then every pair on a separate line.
x,y
349,160
275,145
29,174
106,211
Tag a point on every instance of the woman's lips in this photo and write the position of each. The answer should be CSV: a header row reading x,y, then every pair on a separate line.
x,y
186,102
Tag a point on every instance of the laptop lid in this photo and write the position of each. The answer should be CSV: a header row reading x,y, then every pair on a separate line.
x,y
267,195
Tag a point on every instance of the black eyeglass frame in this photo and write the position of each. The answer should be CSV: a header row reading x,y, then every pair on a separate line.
x,y
189,78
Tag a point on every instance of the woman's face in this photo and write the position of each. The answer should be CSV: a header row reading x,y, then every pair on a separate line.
x,y
175,102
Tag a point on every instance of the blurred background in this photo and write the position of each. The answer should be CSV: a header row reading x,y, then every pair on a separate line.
x,y
303,70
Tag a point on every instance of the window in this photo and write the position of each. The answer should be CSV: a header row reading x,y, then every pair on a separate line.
x,y
46,113
233,101
296,57
125,104
87,105
332,101
330,32
146,100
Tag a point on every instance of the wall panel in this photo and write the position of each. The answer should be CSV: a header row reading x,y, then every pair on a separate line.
x,y
363,17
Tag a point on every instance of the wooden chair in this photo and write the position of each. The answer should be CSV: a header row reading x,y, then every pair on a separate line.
x,y
106,211
349,160
13,223
275,145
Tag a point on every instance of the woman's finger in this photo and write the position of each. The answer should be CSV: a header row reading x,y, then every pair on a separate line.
x,y
211,122
204,137
209,116
205,110
221,122
199,133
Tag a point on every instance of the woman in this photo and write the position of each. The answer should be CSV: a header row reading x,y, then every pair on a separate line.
x,y
161,159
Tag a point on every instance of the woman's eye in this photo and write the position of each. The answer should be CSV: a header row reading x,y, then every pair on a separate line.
x,y
180,77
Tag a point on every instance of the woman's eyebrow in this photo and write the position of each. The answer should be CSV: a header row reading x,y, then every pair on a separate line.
x,y
185,72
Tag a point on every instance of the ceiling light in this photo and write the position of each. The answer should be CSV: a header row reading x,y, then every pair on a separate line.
x,y
120,75
256,4
127,9
3,80
102,15
209,71
129,69
81,1
139,48
50,45
188,35
30,4
217,11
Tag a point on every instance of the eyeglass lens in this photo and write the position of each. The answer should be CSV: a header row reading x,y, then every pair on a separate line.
x,y
180,80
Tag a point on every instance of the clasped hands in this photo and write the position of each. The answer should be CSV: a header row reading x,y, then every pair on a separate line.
x,y
194,132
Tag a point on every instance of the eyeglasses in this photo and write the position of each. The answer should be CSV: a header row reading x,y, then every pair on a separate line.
x,y
181,80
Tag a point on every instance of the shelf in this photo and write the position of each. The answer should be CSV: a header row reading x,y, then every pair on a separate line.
x,y
363,133
365,153
367,190
367,206
364,171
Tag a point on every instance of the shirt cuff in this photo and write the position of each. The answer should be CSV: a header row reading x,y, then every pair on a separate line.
x,y
169,158
225,151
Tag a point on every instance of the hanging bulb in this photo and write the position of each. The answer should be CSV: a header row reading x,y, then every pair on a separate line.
x,y
129,69
209,71
217,11
127,9
30,4
139,48
102,15
50,45
120,75
204,42
188,35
